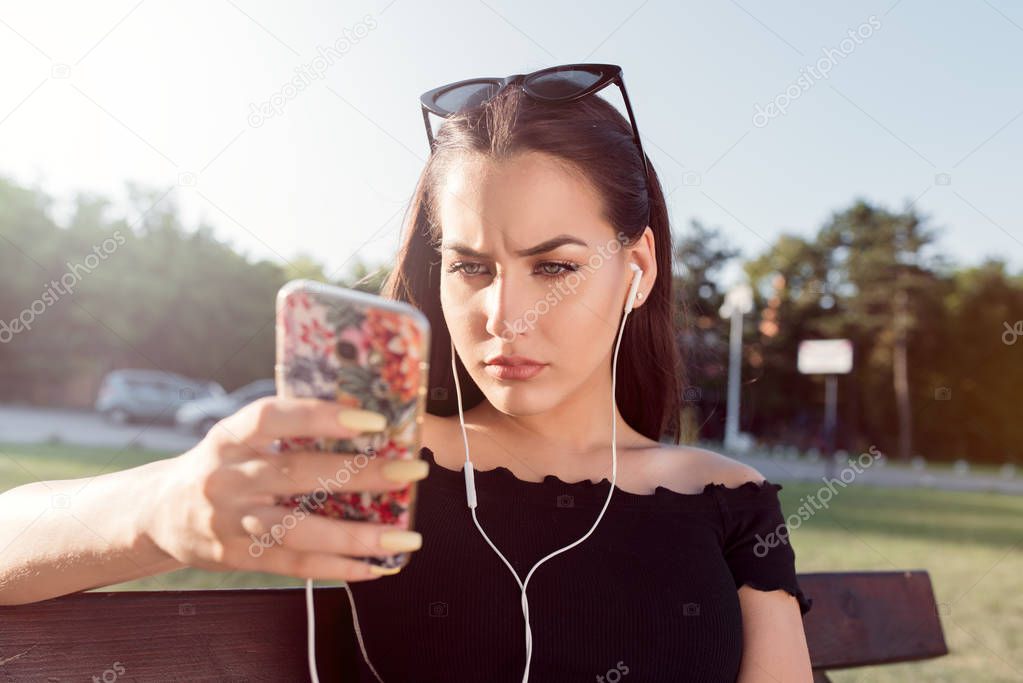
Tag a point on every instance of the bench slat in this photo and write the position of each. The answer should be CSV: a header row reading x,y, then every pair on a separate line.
x,y
215,635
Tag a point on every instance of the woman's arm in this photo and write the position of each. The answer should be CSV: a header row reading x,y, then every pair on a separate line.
x,y
774,643
774,646
60,537
213,508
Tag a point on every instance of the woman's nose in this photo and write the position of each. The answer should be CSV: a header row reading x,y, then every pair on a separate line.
x,y
504,307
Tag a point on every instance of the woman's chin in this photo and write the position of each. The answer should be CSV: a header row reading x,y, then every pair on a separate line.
x,y
518,398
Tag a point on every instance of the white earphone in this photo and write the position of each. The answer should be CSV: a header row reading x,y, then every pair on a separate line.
x,y
634,289
470,495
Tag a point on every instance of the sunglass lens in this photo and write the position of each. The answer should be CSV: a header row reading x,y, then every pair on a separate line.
x,y
465,96
558,84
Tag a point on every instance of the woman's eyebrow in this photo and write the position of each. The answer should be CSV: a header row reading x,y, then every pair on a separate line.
x,y
543,247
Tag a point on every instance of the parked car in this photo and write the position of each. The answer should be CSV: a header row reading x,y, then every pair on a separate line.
x,y
201,415
129,394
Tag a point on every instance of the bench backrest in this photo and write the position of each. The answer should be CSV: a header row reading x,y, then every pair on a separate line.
x,y
858,618
864,618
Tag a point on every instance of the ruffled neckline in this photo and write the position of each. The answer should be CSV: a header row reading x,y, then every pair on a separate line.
x,y
501,480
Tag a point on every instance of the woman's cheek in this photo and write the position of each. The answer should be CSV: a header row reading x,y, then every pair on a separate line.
x,y
450,302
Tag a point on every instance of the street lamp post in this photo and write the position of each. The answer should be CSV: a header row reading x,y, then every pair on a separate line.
x,y
738,302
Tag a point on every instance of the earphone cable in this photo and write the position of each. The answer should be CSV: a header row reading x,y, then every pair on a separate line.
x,y
471,491
471,499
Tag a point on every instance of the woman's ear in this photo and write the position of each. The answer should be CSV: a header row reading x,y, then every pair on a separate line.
x,y
644,255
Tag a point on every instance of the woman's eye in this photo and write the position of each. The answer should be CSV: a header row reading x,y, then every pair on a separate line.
x,y
556,269
465,267
549,269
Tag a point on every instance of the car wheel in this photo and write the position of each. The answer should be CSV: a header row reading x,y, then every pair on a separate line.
x,y
118,416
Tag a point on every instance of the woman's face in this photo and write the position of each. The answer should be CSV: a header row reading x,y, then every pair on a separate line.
x,y
531,268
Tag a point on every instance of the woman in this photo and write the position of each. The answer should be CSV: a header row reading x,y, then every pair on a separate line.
x,y
531,209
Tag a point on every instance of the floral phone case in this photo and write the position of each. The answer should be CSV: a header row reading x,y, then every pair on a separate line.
x,y
363,351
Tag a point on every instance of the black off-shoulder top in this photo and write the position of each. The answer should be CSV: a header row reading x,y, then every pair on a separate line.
x,y
650,596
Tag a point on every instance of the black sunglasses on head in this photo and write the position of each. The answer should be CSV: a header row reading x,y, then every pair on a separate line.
x,y
566,83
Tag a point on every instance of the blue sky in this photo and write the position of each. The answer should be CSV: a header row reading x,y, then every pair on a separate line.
x,y
925,107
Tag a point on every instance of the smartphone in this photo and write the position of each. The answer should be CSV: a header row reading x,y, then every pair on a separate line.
x,y
362,351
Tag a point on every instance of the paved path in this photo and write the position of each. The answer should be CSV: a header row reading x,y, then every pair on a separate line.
x,y
779,469
23,424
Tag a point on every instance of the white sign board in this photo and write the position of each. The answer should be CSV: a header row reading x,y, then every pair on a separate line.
x,y
825,356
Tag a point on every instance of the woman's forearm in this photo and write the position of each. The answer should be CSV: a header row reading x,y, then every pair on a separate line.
x,y
60,537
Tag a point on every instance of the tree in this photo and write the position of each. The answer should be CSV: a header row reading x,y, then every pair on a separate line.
x,y
700,255
878,265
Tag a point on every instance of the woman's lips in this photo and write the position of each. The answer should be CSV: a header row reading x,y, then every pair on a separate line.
x,y
521,371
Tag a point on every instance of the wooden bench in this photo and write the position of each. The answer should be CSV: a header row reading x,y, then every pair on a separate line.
x,y
857,619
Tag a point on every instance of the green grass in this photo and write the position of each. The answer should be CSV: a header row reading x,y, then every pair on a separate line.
x,y
970,543
24,463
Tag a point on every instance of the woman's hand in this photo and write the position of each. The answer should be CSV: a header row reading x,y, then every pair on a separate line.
x,y
215,509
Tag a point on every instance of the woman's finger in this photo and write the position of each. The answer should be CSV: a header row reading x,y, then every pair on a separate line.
x,y
314,565
295,472
260,423
276,526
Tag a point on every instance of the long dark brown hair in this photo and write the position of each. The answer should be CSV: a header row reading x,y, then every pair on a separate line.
x,y
593,138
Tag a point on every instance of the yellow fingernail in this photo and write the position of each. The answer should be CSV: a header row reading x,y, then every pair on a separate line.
x,y
362,420
383,571
405,471
401,540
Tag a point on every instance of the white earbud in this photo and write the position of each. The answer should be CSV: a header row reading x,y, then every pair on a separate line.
x,y
635,286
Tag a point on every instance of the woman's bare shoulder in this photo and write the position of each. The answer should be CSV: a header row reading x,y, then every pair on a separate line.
x,y
685,469
689,469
